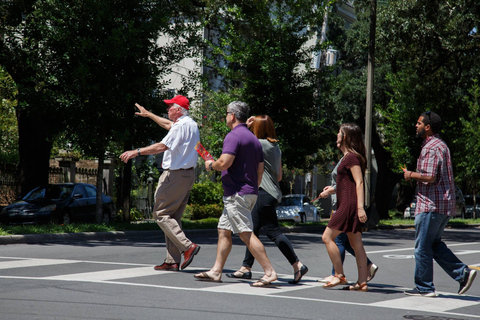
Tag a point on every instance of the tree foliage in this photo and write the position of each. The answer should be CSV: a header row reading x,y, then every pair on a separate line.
x,y
81,65
8,121
262,52
431,50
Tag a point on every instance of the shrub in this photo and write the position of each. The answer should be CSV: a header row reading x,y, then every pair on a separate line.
x,y
206,192
198,212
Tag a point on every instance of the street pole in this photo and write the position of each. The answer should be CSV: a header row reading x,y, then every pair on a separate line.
x,y
369,106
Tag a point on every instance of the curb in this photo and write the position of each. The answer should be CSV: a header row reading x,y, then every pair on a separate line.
x,y
112,235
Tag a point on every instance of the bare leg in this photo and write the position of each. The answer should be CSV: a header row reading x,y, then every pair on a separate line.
x,y
355,240
224,247
328,238
257,249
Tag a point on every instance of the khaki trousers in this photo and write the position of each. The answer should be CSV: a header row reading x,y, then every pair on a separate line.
x,y
171,199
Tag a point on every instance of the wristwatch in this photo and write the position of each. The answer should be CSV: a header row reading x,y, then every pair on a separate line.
x,y
210,165
138,150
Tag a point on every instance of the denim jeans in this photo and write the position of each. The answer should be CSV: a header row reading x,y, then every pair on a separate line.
x,y
344,245
429,228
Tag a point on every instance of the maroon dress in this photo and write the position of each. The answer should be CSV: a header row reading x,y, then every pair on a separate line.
x,y
345,218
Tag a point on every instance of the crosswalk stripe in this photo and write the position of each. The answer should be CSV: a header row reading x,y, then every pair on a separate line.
x,y
25,263
443,303
107,275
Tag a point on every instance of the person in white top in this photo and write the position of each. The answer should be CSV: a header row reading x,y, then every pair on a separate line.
x,y
176,181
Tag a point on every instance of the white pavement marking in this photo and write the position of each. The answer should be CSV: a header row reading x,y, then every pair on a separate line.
x,y
24,263
411,248
108,275
438,304
443,304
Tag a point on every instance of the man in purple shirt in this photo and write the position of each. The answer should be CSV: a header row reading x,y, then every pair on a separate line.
x,y
242,166
435,206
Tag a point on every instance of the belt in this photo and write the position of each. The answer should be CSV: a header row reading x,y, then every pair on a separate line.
x,y
178,169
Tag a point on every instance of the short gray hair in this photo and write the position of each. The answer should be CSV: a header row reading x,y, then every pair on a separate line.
x,y
184,111
240,109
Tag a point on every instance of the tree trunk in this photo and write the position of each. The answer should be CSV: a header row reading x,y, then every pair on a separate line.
x,y
34,146
386,179
126,187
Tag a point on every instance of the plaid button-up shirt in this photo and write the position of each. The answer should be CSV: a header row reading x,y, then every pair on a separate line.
x,y
435,161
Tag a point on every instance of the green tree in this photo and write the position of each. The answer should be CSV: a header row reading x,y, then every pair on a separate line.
x,y
262,52
93,60
429,50
468,163
8,120
426,56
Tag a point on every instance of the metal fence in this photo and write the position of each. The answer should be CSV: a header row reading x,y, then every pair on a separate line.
x,y
9,183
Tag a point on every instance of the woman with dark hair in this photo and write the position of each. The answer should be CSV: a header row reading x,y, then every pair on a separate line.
x,y
350,213
269,195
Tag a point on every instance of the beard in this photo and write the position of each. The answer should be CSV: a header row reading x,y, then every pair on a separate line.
x,y
420,133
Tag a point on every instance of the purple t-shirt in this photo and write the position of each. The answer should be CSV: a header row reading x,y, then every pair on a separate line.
x,y
241,177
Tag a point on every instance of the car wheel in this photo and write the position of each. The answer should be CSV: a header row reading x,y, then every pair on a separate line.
x,y
66,219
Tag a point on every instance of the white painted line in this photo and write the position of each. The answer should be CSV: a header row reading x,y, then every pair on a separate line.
x,y
411,249
33,263
436,304
108,275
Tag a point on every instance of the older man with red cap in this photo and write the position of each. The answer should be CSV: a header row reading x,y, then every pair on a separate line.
x,y
176,181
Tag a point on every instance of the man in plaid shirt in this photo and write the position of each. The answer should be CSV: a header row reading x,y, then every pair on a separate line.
x,y
435,206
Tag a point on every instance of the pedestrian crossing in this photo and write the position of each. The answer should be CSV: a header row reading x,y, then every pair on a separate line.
x,y
114,273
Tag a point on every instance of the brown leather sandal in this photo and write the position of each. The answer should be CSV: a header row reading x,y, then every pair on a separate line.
x,y
357,287
331,284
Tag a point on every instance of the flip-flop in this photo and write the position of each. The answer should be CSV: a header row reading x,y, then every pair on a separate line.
x,y
262,282
245,275
205,277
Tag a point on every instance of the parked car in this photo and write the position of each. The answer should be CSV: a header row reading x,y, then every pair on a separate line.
x,y
297,208
61,203
459,209
469,206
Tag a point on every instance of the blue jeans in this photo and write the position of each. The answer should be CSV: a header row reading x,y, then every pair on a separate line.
x,y
344,245
429,228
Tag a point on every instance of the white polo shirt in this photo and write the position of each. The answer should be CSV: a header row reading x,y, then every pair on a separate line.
x,y
181,141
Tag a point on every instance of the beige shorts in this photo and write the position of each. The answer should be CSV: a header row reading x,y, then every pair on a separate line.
x,y
237,213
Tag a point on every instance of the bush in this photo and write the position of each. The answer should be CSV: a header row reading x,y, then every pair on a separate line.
x,y
198,212
206,192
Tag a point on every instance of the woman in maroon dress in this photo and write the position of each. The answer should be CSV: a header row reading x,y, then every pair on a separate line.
x,y
350,213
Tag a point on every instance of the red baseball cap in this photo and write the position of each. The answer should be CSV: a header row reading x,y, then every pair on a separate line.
x,y
180,100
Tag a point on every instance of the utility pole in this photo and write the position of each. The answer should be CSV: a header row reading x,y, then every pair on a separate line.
x,y
369,106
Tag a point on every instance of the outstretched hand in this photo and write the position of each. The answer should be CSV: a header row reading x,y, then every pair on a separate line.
x,y
142,111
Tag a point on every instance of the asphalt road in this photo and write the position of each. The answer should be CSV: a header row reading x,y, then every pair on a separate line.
x,y
102,278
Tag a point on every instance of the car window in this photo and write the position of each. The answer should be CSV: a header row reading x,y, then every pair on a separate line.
x,y
91,191
306,199
65,192
36,194
79,190
291,201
